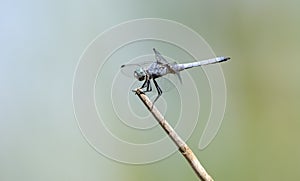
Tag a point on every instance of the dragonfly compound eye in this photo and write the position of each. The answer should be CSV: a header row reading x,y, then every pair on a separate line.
x,y
140,74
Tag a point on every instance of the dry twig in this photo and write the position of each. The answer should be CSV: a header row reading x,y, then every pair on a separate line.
x,y
182,146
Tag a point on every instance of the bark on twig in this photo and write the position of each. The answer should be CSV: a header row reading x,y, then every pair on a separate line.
x,y
182,146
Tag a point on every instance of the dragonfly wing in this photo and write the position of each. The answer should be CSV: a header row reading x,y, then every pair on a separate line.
x,y
179,77
166,84
128,69
159,58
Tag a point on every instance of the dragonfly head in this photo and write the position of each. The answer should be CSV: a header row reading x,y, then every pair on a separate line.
x,y
140,74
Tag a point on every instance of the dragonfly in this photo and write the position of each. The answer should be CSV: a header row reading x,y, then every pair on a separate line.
x,y
161,67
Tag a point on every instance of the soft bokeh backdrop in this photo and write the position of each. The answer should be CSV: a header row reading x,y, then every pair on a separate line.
x,y
41,42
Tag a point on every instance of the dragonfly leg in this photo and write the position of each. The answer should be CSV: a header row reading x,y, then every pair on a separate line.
x,y
147,85
159,91
149,88
144,84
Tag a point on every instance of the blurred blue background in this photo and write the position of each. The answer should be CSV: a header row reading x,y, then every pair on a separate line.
x,y
41,42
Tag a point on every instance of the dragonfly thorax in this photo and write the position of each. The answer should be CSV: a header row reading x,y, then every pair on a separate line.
x,y
140,74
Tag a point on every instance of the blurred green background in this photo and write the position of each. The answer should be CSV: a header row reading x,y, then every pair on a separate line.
x,y
41,42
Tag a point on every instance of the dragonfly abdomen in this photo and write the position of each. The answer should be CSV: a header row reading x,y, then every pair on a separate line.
x,y
180,67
